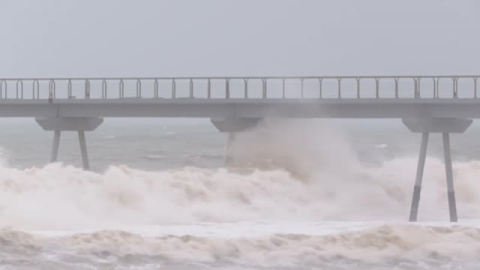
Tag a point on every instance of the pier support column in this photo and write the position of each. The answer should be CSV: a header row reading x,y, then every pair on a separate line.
x,y
83,149
436,125
55,146
80,125
418,179
452,205
229,161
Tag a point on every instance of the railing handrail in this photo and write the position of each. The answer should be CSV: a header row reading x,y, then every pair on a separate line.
x,y
242,77
265,82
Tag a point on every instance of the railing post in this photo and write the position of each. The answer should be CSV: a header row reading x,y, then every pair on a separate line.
x,y
377,88
155,88
191,88
302,87
51,88
174,90
1,89
36,86
396,87
70,95
339,94
320,88
245,90
455,87
419,82
358,87
104,89
417,91
475,86
227,88
87,89
139,88
283,88
121,89
209,89
20,83
264,86
435,88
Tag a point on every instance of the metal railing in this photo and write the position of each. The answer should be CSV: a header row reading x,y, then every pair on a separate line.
x,y
307,87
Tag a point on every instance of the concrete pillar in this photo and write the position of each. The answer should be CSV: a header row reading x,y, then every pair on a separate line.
x,y
229,161
436,125
418,180
452,206
83,149
55,146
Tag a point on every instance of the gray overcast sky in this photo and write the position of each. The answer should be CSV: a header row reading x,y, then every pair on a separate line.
x,y
45,38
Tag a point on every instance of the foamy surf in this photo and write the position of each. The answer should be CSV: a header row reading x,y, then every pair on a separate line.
x,y
68,198
309,205
394,246
63,217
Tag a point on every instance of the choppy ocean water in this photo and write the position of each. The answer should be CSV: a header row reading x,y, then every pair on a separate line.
x,y
299,195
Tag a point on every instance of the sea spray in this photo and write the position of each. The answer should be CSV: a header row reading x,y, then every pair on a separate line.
x,y
307,177
296,197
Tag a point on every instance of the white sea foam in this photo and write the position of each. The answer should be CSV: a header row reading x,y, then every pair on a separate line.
x,y
310,177
283,174
64,197
399,246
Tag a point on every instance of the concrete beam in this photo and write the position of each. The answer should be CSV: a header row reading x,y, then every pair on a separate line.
x,y
233,125
250,108
437,125
70,123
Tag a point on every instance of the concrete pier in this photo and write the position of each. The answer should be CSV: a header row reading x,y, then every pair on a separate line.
x,y
445,126
80,125
240,103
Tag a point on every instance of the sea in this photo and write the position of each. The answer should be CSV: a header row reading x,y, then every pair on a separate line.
x,y
288,194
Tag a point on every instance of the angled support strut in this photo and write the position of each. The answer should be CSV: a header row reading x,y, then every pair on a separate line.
x,y
55,146
452,206
418,180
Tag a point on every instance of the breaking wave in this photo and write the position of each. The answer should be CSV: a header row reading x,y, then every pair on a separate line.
x,y
312,176
293,177
58,197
